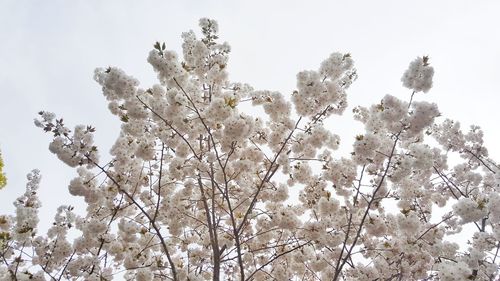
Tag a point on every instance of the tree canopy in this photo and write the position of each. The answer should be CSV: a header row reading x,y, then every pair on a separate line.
x,y
202,186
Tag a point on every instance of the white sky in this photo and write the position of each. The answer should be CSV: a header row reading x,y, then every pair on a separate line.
x,y
49,49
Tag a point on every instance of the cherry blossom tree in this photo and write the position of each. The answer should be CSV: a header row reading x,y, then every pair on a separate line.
x,y
200,187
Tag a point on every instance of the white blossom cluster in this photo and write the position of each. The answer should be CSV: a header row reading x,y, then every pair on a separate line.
x,y
17,232
453,271
324,90
26,218
198,187
74,150
469,210
418,76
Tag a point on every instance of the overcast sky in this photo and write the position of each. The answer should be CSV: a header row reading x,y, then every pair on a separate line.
x,y
49,49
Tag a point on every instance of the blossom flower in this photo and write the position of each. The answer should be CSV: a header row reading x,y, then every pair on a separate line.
x,y
418,76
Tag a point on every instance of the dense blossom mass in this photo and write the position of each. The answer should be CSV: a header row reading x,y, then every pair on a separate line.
x,y
199,187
